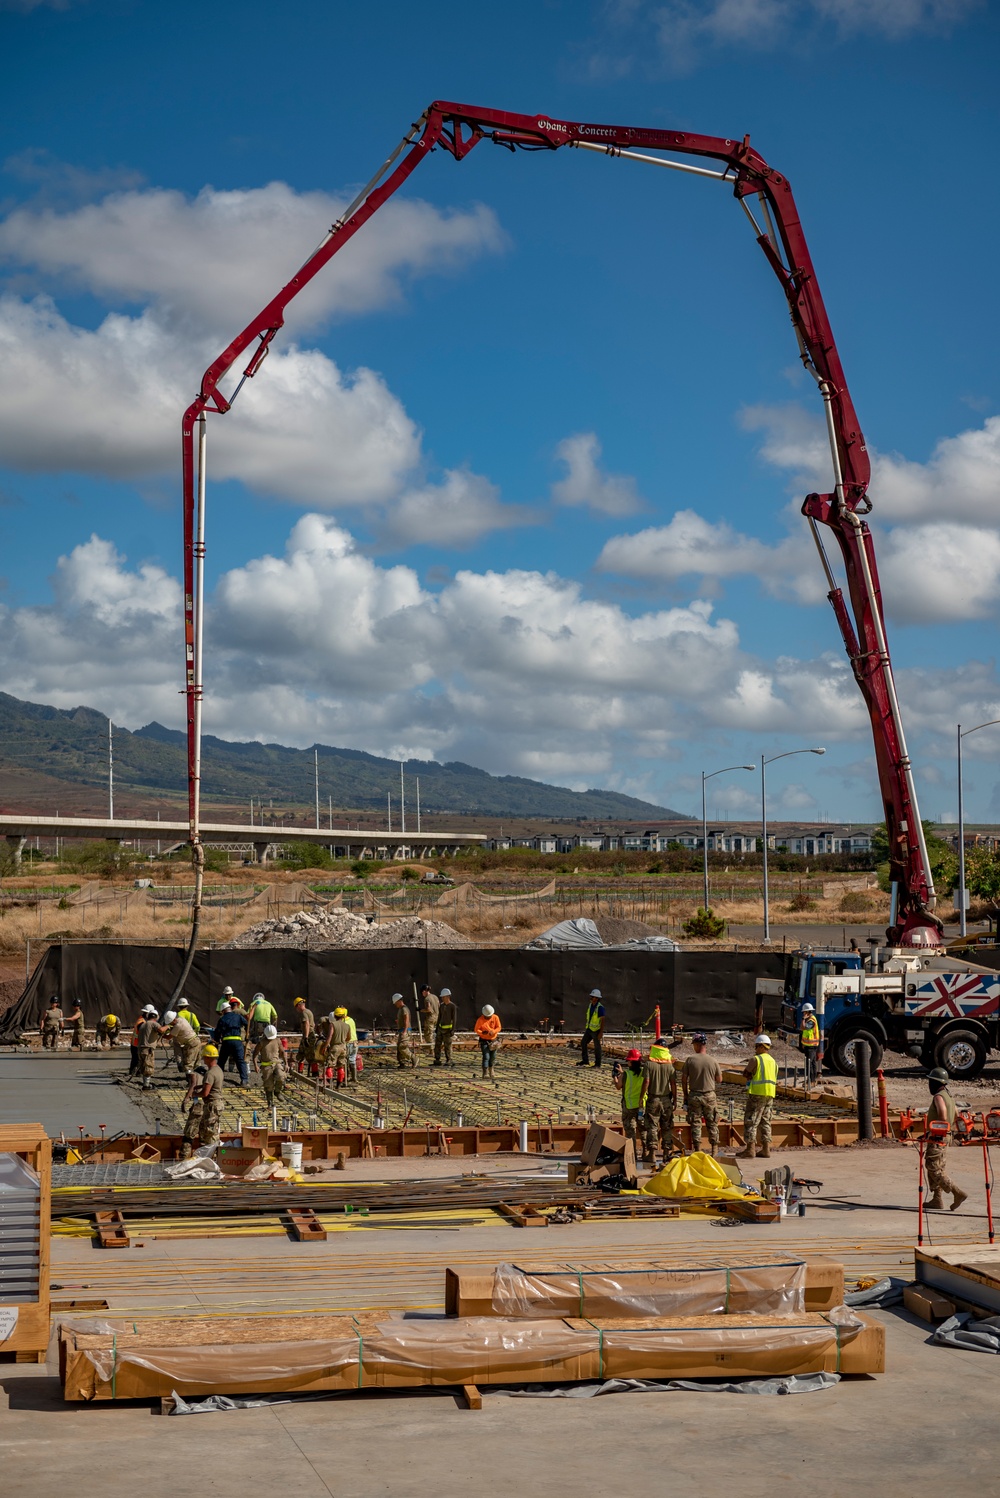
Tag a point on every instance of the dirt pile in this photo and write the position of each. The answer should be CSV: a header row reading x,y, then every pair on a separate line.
x,y
342,928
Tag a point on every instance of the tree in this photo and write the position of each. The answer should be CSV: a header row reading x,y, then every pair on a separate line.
x,y
942,856
982,876
705,925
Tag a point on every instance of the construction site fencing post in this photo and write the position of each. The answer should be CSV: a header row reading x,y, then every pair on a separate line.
x,y
863,1084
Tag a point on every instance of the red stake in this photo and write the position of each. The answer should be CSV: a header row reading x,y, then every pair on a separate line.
x,y
989,1196
920,1196
883,1106
656,1017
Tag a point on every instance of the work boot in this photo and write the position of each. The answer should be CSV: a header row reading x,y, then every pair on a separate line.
x,y
765,1153
750,1153
958,1197
935,1203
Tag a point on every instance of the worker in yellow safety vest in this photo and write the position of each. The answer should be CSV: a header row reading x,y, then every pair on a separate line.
x,y
593,1029
809,1042
630,1081
761,1075
660,1101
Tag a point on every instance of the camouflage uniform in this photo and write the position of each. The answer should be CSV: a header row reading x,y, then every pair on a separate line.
x,y
146,1036
52,1023
444,1033
936,1156
757,1120
702,1073
404,1048
212,1116
660,1076
268,1053
307,1029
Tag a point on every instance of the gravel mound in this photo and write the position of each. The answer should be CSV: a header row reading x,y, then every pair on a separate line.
x,y
342,928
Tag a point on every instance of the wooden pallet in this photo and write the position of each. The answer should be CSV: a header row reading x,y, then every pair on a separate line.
x,y
305,1225
111,1230
522,1216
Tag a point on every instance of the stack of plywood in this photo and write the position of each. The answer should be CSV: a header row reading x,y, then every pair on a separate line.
x,y
567,1325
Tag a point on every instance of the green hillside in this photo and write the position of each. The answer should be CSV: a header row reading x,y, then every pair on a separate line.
x,y
71,745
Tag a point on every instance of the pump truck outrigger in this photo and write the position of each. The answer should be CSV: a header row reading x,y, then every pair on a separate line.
x,y
457,129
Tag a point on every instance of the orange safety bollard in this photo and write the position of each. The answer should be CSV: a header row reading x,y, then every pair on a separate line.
x,y
883,1106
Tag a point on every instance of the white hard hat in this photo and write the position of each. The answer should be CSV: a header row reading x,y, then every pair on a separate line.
x,y
227,989
445,993
808,1009
170,1016
488,1010
762,1040
331,1015
270,1033
257,996
397,998
148,1009
595,993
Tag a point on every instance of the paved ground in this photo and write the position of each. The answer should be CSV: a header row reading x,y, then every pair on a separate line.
x,y
928,1425
62,1091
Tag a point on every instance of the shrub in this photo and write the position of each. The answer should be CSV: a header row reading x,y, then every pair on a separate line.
x,y
408,873
362,867
704,924
802,901
855,900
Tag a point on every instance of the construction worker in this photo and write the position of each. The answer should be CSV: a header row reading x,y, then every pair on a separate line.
x,y
229,1037
661,1099
444,1030
941,1112
336,1045
430,1006
259,1014
147,1033
631,1083
761,1075
185,1043
205,1094
809,1042
270,1060
404,1046
488,1029
700,1075
307,1029
186,1011
52,1026
227,998
593,1029
193,1102
108,1029
75,1018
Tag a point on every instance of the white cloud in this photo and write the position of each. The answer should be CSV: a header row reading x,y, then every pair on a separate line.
x,y
211,262
685,31
459,511
938,573
585,483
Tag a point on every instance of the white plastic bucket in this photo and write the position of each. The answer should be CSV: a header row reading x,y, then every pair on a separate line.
x,y
291,1155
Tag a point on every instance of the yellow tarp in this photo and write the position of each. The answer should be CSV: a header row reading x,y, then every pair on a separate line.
x,y
692,1175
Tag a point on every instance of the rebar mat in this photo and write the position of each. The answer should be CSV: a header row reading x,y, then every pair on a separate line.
x,y
121,1173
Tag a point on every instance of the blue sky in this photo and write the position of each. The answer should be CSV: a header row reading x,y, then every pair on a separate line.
x,y
520,484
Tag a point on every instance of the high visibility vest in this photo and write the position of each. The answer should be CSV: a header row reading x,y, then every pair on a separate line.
x,y
809,1034
594,1020
765,1077
661,1053
191,1018
633,1087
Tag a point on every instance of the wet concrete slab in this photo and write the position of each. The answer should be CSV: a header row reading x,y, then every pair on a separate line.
x,y
64,1089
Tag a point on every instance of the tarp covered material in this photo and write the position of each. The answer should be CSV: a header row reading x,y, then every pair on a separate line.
x,y
695,1175
707,989
754,1289
583,935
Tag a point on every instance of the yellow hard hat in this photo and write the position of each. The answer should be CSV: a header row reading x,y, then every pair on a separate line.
x,y
210,1050
299,1001
339,1012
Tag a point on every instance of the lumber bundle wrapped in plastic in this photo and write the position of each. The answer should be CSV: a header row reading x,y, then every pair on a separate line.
x,y
156,1359
762,1289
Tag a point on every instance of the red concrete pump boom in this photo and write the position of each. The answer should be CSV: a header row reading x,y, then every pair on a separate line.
x,y
457,129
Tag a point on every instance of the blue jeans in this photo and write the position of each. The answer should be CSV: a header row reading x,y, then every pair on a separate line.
x,y
231,1049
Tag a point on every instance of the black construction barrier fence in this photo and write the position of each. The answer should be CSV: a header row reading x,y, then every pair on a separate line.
x,y
712,990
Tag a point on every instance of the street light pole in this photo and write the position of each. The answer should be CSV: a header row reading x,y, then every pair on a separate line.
x,y
763,822
704,823
962,922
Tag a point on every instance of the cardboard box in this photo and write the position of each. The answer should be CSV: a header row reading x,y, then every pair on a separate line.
x,y
236,1159
254,1138
599,1138
148,1153
928,1304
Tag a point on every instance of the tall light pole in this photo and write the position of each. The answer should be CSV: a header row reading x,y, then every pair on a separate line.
x,y
704,822
961,821
316,783
111,775
763,821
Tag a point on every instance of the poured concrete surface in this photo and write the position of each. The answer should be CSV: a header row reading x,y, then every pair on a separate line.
x,y
62,1090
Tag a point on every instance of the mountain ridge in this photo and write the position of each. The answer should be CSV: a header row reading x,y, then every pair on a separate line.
x,y
70,744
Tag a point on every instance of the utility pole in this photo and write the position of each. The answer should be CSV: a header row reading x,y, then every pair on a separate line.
x,y
418,805
331,813
388,802
316,772
111,775
402,800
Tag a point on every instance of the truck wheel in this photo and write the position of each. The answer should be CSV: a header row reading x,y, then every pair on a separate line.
x,y
841,1053
962,1053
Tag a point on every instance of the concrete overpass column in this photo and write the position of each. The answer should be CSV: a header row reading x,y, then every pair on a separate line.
x,y
16,845
260,851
